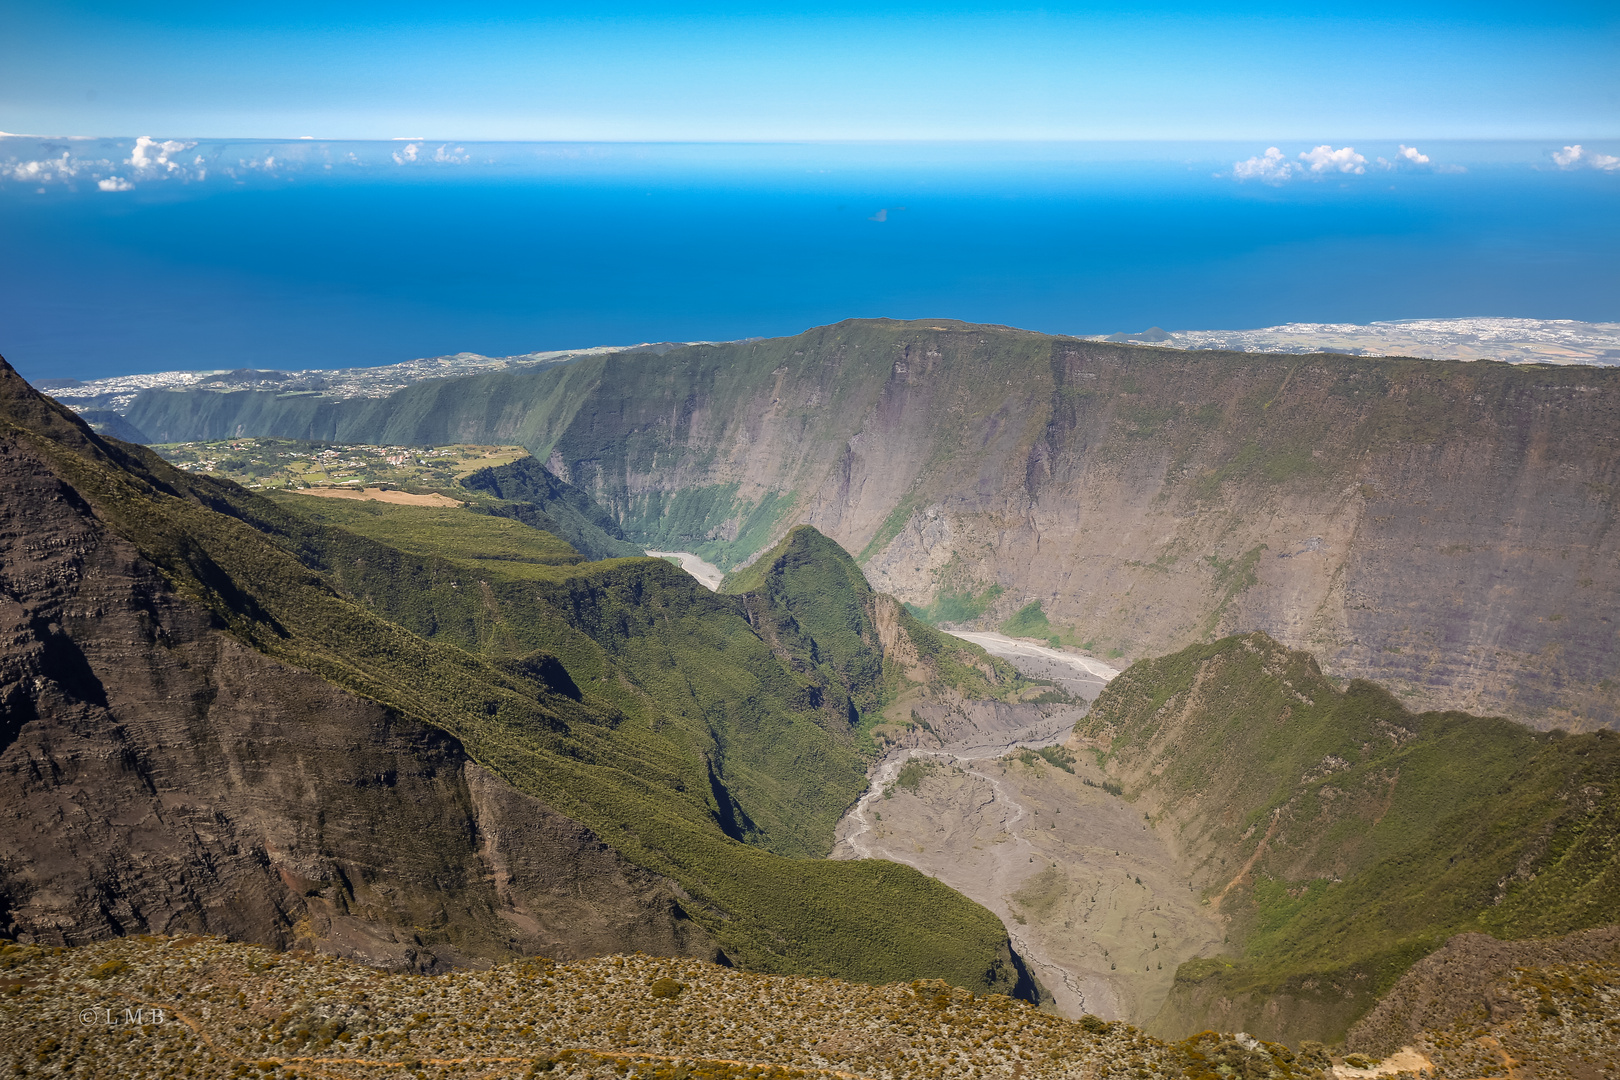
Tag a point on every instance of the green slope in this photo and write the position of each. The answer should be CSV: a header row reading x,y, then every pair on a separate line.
x,y
819,597
620,692
1342,837
807,595
478,541
530,494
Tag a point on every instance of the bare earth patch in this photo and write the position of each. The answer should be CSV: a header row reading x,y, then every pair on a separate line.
x,y
1090,895
386,495
708,575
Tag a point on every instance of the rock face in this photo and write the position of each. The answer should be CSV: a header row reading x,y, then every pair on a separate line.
x,y
1444,528
623,703
163,777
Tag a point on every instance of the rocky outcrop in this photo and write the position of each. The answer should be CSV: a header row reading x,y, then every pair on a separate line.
x,y
161,776
1464,979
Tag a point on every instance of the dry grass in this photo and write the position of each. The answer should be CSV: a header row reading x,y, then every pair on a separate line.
x,y
232,1010
1542,1023
385,495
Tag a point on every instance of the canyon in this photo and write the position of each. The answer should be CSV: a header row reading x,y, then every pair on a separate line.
x,y
1445,528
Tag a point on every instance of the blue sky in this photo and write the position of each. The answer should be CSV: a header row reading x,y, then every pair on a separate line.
x,y
1264,71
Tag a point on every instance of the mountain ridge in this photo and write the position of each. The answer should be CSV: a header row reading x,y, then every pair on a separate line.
x,y
620,736
1443,528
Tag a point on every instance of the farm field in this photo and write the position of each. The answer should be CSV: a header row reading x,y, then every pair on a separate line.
x,y
294,464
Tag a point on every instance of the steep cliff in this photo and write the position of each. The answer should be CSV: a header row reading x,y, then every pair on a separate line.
x,y
163,777
1442,527
896,679
530,494
222,715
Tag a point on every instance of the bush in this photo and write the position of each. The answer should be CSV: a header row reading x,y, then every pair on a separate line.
x,y
1029,621
667,988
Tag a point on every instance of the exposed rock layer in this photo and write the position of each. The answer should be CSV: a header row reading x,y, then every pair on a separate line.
x,y
164,777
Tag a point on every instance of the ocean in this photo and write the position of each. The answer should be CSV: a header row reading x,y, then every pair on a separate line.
x,y
173,254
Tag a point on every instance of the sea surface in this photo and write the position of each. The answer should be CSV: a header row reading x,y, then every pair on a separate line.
x,y
123,257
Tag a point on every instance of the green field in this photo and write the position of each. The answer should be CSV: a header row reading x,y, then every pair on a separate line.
x,y
292,464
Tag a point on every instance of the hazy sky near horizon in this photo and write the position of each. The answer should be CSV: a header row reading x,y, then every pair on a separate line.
x,y
748,71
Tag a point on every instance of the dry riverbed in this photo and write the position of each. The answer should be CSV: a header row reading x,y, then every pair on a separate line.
x,y
1088,892
708,574
1079,674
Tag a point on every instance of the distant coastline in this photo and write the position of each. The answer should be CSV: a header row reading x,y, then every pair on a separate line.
x,y
1518,341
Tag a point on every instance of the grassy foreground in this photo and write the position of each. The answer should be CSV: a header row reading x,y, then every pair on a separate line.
x,y
203,1007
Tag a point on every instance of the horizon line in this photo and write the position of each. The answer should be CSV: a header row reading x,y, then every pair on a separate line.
x,y
833,140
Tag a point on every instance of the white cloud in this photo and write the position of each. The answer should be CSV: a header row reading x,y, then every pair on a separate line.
x,y
444,154
33,172
151,156
409,154
1573,157
1411,155
1569,156
1272,168
267,165
114,183
1325,159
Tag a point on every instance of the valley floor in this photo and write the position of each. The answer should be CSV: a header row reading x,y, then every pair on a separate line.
x,y
1083,676
708,574
1089,894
